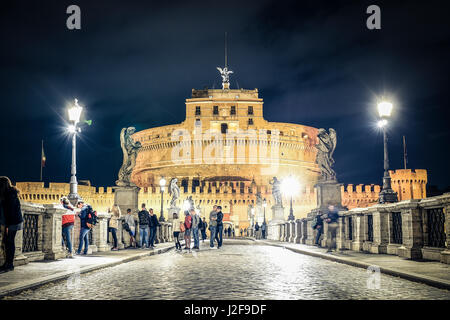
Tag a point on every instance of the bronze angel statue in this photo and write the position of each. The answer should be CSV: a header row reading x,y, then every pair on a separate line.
x,y
174,191
130,149
325,150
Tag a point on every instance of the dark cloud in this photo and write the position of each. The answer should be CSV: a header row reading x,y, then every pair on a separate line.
x,y
134,63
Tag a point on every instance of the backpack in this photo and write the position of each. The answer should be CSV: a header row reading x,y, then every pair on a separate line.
x,y
188,222
91,218
314,222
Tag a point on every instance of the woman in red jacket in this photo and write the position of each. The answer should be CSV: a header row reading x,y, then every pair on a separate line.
x,y
68,220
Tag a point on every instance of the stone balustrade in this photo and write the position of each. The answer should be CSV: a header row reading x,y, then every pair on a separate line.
x,y
41,236
412,229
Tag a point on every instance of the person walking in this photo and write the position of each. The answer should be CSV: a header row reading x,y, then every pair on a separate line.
x,y
10,217
229,232
204,225
263,229
256,231
212,226
332,220
114,224
241,232
154,223
187,232
176,231
68,221
318,226
219,230
84,229
144,229
232,231
130,227
196,222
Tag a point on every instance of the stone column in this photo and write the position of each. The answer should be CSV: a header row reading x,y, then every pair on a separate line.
x,y
292,231
380,231
304,227
120,244
358,236
298,231
100,232
340,233
52,225
412,233
445,255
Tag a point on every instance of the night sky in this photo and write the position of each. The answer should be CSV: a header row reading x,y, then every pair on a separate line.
x,y
133,63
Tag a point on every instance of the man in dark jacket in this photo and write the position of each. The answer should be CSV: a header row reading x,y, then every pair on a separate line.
x,y
11,218
219,232
144,229
332,220
203,227
318,225
84,229
154,223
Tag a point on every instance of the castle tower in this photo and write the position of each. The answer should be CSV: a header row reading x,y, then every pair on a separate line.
x,y
409,184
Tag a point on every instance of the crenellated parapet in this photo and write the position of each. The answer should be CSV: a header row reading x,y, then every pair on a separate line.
x,y
359,196
409,184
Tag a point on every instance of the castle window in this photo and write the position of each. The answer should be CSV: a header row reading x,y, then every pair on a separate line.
x,y
215,110
269,132
250,121
197,111
224,127
233,110
250,110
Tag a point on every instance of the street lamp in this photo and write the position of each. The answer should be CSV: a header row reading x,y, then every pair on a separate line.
x,y
387,195
74,116
264,205
162,183
290,187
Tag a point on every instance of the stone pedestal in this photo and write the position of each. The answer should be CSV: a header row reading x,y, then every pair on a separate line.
x,y
277,213
100,232
328,193
173,210
292,231
126,198
298,231
52,225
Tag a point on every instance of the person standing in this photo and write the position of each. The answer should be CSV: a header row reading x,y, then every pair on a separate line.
x,y
257,230
229,232
219,231
68,221
176,231
212,226
84,229
195,226
130,227
241,232
318,226
263,229
232,231
144,230
154,223
11,217
204,225
114,224
187,232
332,220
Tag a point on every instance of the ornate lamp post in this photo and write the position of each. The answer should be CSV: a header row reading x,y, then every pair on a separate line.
x,y
264,206
290,187
74,117
387,195
162,183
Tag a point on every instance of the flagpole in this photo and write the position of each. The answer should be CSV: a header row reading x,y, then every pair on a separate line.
x,y
42,148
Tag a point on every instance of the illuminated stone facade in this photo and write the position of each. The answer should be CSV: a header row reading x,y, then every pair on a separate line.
x,y
223,153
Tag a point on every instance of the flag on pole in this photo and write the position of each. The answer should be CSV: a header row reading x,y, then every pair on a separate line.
x,y
43,158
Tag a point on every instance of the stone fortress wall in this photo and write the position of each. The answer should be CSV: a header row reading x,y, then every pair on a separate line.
x,y
234,197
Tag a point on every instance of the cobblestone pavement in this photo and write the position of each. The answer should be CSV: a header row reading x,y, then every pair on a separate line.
x,y
233,272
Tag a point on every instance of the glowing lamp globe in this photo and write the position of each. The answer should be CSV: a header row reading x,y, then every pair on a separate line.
x,y
75,112
384,109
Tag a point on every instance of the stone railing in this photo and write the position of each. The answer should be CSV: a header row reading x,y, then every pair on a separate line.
x,y
41,236
412,229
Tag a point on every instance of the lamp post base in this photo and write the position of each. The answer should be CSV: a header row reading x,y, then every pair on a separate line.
x,y
74,198
291,216
387,196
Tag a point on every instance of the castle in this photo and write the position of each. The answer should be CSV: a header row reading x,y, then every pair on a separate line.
x,y
226,153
